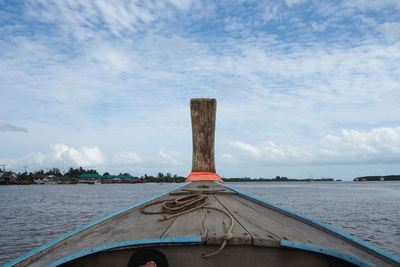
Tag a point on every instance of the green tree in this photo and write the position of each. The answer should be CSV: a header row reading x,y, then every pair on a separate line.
x,y
54,171
40,172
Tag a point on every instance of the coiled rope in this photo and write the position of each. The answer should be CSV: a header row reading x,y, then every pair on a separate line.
x,y
189,203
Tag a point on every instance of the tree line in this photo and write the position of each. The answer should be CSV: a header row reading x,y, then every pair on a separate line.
x,y
74,173
276,179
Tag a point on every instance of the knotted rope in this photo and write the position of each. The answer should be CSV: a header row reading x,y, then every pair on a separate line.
x,y
189,203
227,233
178,206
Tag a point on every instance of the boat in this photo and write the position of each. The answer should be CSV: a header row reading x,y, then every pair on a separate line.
x,y
204,222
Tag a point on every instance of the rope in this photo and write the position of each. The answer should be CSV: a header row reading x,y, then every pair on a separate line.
x,y
178,206
227,233
189,203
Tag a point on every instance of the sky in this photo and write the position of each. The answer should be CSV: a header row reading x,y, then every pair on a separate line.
x,y
304,89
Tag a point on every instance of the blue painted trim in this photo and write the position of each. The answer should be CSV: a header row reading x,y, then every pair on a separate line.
x,y
341,233
325,251
80,229
175,240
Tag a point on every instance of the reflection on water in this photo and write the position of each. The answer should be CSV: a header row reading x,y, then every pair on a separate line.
x,y
36,214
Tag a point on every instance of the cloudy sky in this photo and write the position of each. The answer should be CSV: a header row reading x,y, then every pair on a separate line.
x,y
304,88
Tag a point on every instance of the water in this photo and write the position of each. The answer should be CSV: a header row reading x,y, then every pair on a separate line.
x,y
36,214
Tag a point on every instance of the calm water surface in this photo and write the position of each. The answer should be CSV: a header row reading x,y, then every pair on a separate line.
x,y
33,215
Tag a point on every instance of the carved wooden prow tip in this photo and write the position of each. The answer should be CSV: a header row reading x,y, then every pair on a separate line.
x,y
203,113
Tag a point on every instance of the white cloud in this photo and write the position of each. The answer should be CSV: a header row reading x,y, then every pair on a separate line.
x,y
83,156
59,150
319,27
112,59
95,19
272,11
250,149
372,4
380,145
182,4
270,152
377,145
87,157
127,158
37,158
227,157
170,156
30,160
391,30
291,3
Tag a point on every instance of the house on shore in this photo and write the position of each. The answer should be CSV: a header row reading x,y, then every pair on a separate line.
x,y
8,177
125,178
90,178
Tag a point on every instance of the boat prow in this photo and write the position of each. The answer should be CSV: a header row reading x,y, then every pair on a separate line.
x,y
261,233
206,223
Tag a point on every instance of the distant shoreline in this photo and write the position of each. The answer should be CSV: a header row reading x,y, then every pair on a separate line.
x,y
377,178
278,179
82,176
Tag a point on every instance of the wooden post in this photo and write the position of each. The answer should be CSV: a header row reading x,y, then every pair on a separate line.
x,y
203,113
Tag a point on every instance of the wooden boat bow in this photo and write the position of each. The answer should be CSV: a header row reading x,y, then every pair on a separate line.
x,y
255,232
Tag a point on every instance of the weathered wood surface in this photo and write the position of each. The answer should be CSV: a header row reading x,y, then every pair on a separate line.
x,y
267,226
203,114
255,223
208,223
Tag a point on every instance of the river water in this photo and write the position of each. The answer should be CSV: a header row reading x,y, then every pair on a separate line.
x,y
33,215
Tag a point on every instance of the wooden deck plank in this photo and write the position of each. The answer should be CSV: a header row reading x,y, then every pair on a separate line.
x,y
261,221
266,224
209,224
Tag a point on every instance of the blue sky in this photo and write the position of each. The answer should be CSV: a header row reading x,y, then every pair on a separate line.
x,y
304,88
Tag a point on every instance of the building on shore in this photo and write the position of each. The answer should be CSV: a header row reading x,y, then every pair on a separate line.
x,y
90,178
8,177
125,178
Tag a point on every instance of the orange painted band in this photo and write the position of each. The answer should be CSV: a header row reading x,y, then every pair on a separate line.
x,y
204,176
